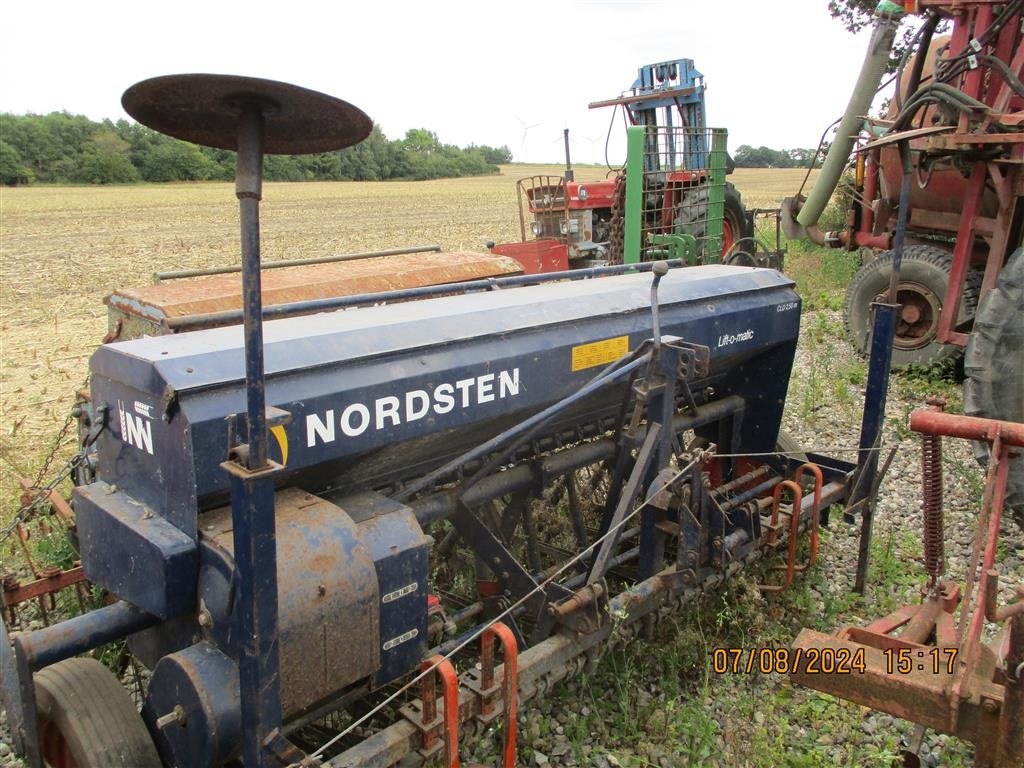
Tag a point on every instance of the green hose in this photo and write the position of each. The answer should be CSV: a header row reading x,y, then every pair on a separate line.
x,y
888,15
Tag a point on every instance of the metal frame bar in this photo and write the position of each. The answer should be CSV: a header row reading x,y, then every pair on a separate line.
x,y
634,194
177,274
277,311
252,482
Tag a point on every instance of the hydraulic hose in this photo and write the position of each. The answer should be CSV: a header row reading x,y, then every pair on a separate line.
x,y
924,41
887,15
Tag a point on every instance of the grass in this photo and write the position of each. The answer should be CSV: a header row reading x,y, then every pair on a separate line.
x,y
821,275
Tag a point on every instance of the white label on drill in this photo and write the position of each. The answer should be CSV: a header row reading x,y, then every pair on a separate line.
x,y
392,410
400,639
408,589
726,339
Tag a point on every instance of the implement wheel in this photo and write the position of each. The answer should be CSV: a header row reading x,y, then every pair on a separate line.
x,y
789,446
994,365
924,275
692,218
87,720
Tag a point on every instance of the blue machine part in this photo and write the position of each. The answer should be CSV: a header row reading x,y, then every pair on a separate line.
x,y
382,394
352,610
673,86
203,682
141,555
681,83
400,555
330,599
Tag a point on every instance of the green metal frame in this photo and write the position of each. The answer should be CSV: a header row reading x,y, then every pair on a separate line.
x,y
634,194
716,196
683,247
634,214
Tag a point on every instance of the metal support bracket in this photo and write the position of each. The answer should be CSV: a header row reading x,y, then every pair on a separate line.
x,y
681,246
439,730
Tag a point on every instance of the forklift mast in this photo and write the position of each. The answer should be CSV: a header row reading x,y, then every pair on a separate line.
x,y
664,95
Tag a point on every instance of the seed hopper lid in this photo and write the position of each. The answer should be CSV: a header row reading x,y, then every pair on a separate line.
x,y
205,109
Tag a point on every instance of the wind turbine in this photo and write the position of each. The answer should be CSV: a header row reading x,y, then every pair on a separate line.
x,y
526,130
593,140
593,157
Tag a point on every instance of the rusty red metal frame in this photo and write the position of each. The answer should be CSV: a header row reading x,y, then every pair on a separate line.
x,y
794,532
440,731
819,483
980,129
509,685
48,581
980,697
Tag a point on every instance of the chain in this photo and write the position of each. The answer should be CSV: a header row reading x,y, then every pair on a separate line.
x,y
616,236
58,442
42,492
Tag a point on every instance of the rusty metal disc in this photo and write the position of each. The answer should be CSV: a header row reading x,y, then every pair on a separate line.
x,y
204,109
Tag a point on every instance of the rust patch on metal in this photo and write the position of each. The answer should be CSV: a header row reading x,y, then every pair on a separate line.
x,y
326,592
218,293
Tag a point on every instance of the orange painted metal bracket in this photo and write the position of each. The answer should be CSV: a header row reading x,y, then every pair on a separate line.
x,y
794,530
819,482
439,730
509,687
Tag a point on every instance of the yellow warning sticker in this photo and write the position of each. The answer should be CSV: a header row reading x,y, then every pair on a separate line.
x,y
599,352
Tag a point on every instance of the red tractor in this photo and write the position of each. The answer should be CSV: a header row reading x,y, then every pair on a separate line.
x,y
574,223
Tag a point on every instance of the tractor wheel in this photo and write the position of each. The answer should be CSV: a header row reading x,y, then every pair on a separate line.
x,y
924,275
692,218
994,365
87,720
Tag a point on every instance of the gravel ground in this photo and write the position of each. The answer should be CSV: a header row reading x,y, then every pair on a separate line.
x,y
762,720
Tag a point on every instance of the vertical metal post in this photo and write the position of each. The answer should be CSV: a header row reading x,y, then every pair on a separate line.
x,y
569,176
249,191
1011,735
883,333
19,699
252,483
634,194
716,196
252,513
662,380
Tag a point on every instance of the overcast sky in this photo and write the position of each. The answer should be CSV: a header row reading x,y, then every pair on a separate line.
x,y
498,72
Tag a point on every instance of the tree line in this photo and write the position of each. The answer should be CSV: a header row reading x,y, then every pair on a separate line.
x,y
60,148
747,156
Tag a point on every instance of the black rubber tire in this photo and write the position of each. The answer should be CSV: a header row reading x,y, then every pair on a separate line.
x,y
692,216
924,272
994,366
87,719
789,446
